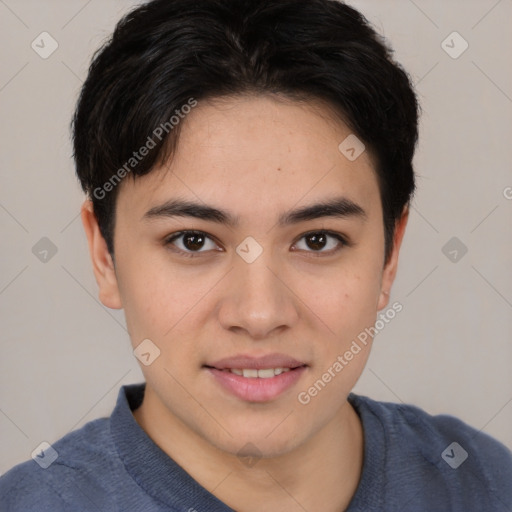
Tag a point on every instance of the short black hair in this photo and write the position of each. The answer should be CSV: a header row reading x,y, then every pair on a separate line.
x,y
166,54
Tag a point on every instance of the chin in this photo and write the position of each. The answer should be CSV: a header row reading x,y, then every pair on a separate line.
x,y
258,443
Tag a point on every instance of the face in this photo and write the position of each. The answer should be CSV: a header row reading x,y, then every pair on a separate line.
x,y
279,265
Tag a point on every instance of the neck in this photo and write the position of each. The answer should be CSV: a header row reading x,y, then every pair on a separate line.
x,y
325,469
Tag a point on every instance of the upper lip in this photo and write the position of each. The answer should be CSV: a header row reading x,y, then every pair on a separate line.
x,y
243,361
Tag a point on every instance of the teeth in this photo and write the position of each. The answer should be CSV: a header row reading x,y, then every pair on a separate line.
x,y
266,374
252,373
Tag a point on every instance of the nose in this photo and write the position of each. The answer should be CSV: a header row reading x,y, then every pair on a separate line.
x,y
257,300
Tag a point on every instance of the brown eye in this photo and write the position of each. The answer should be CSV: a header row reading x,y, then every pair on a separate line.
x,y
316,241
190,242
193,241
322,242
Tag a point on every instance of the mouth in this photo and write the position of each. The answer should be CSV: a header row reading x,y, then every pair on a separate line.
x,y
253,373
256,379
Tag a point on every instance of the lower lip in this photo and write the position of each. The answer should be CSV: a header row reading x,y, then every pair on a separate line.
x,y
256,389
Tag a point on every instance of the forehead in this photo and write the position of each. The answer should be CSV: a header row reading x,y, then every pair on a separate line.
x,y
257,152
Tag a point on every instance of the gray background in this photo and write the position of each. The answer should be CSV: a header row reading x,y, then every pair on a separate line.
x,y
64,356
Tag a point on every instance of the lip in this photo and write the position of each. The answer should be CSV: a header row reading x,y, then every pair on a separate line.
x,y
256,389
242,361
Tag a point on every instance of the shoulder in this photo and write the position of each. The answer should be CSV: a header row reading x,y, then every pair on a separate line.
x,y
456,459
410,423
78,461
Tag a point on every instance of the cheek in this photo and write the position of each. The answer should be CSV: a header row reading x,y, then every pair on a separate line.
x,y
345,300
346,309
155,298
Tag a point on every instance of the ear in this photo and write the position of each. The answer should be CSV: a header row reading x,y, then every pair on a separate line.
x,y
390,268
102,263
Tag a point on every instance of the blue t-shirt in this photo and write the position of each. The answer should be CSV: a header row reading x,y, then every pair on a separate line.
x,y
412,462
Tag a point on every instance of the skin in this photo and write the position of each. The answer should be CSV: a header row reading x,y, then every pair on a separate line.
x,y
257,157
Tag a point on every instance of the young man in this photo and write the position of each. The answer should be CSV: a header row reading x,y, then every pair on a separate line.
x,y
248,166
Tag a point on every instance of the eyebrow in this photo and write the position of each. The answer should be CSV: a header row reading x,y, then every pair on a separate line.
x,y
339,207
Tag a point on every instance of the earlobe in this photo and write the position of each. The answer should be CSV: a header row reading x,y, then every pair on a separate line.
x,y
102,263
389,273
383,300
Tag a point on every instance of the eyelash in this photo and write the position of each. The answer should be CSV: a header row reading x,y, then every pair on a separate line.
x,y
194,254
